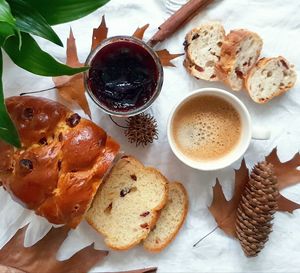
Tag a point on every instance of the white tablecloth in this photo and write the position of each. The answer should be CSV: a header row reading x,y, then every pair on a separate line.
x,y
278,23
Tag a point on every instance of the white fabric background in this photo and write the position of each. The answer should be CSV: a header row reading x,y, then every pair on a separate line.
x,y
278,23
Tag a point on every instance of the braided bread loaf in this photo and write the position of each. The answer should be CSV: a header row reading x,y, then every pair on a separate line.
x,y
61,163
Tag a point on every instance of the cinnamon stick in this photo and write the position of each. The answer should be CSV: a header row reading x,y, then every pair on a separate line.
x,y
178,19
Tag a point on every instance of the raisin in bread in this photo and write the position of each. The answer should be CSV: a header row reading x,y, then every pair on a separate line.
x,y
170,220
239,52
203,47
270,77
126,206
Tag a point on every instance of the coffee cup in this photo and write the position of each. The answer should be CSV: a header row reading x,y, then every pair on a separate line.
x,y
210,128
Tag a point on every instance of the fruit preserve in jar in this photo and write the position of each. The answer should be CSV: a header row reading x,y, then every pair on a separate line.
x,y
125,76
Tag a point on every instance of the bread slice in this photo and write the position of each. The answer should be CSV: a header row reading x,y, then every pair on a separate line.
x,y
203,48
127,204
170,220
239,52
270,77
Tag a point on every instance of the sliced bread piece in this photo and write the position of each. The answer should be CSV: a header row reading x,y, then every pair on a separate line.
x,y
127,204
239,52
203,48
270,77
170,220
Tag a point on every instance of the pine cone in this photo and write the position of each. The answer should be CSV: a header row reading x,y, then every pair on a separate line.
x,y
256,209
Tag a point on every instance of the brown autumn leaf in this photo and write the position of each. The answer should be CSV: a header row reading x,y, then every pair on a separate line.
x,y
286,205
71,88
224,211
139,32
286,172
165,57
287,175
42,256
8,269
145,270
99,34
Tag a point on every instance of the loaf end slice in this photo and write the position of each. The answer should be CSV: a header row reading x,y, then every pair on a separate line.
x,y
270,77
203,48
127,204
171,218
239,53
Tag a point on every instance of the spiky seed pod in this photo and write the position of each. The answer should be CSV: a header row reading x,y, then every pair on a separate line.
x,y
142,129
256,209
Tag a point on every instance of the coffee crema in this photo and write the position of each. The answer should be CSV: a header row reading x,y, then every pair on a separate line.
x,y
206,128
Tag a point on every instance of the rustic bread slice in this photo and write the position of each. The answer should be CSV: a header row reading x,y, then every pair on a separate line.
x,y
170,220
270,77
203,48
127,204
239,52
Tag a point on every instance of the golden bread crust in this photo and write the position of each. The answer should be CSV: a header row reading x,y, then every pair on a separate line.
x,y
61,163
172,235
229,53
261,64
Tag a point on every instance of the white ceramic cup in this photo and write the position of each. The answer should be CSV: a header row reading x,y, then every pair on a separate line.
x,y
238,151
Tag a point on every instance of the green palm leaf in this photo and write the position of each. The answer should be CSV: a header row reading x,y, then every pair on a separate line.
x,y
29,20
6,30
33,59
62,11
5,13
8,130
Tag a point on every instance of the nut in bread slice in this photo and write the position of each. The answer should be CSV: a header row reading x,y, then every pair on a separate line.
x,y
239,52
270,77
203,47
170,220
126,206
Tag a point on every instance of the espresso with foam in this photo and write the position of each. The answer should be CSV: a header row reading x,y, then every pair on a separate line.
x,y
206,128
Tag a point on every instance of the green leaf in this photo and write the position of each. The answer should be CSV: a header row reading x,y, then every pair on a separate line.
x,y
6,30
62,11
29,20
6,17
33,59
8,131
5,13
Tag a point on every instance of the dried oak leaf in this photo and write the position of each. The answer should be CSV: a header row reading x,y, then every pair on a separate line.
x,y
145,270
224,211
165,57
42,256
287,175
8,269
99,34
139,33
286,172
286,205
71,88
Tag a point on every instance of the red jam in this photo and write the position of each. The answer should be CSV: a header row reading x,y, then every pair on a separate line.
x,y
123,76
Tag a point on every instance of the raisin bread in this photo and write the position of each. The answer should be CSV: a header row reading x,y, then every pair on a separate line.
x,y
127,204
203,47
270,77
170,220
239,52
61,163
